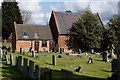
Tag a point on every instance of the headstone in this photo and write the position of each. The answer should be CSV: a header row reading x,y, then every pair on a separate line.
x,y
33,53
61,50
11,59
90,60
6,59
16,62
79,51
92,51
37,50
25,65
53,59
31,69
20,63
1,55
21,50
48,73
78,69
66,74
37,72
114,65
105,56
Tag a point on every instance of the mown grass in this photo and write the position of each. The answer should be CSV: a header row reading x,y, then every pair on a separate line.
x,y
98,70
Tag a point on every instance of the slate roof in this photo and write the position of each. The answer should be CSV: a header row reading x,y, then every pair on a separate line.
x,y
66,19
41,32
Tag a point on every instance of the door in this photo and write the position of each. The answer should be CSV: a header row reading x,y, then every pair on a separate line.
x,y
36,45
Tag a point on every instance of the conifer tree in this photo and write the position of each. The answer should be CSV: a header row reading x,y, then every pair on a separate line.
x,y
88,30
10,13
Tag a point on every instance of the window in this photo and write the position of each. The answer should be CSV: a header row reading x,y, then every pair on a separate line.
x,y
70,43
25,35
44,43
36,35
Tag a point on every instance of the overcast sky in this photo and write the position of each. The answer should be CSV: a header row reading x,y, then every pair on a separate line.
x,y
41,9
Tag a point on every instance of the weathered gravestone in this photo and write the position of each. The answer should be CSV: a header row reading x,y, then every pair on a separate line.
x,y
105,56
61,50
11,59
66,74
21,50
90,60
37,72
79,51
33,53
1,53
53,59
20,63
48,73
31,69
25,65
78,69
6,59
16,62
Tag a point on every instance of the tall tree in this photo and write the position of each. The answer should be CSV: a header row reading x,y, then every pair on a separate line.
x,y
26,16
88,31
114,24
10,13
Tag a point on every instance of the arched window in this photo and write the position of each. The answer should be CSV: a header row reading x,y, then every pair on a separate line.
x,y
70,42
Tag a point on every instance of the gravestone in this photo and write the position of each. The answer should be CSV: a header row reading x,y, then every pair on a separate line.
x,y
48,73
61,50
16,62
21,50
78,69
33,53
66,74
25,65
6,59
90,60
1,53
31,69
114,65
20,63
105,56
37,72
53,59
11,59
79,51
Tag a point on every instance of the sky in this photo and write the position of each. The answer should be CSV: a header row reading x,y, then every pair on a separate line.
x,y
41,9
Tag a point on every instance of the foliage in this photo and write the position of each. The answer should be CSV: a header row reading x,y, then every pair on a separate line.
x,y
88,30
26,16
10,13
114,24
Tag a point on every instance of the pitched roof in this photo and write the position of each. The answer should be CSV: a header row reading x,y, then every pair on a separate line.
x,y
65,20
28,31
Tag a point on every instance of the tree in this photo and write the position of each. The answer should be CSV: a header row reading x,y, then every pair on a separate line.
x,y
88,31
114,24
10,13
26,16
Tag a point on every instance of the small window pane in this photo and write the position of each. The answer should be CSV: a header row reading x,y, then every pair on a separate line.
x,y
44,43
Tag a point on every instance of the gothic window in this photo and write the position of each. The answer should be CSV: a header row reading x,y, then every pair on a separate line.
x,y
70,42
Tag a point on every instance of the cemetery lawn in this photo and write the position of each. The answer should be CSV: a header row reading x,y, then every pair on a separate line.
x,y
98,70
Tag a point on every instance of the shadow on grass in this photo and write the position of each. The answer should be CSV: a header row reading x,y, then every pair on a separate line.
x,y
11,73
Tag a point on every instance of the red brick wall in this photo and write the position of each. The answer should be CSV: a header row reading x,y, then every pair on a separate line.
x,y
63,41
26,44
